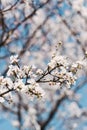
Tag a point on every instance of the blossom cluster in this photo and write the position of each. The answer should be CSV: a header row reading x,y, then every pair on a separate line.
x,y
20,79
63,70
27,79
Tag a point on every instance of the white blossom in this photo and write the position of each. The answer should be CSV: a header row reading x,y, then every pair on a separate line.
x,y
19,84
2,99
14,59
13,70
31,81
39,72
58,60
26,69
7,82
1,79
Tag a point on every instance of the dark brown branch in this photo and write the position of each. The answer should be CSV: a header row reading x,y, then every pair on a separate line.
x,y
53,111
25,19
6,92
9,9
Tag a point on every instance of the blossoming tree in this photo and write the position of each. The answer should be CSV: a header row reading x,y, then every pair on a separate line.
x,y
43,59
